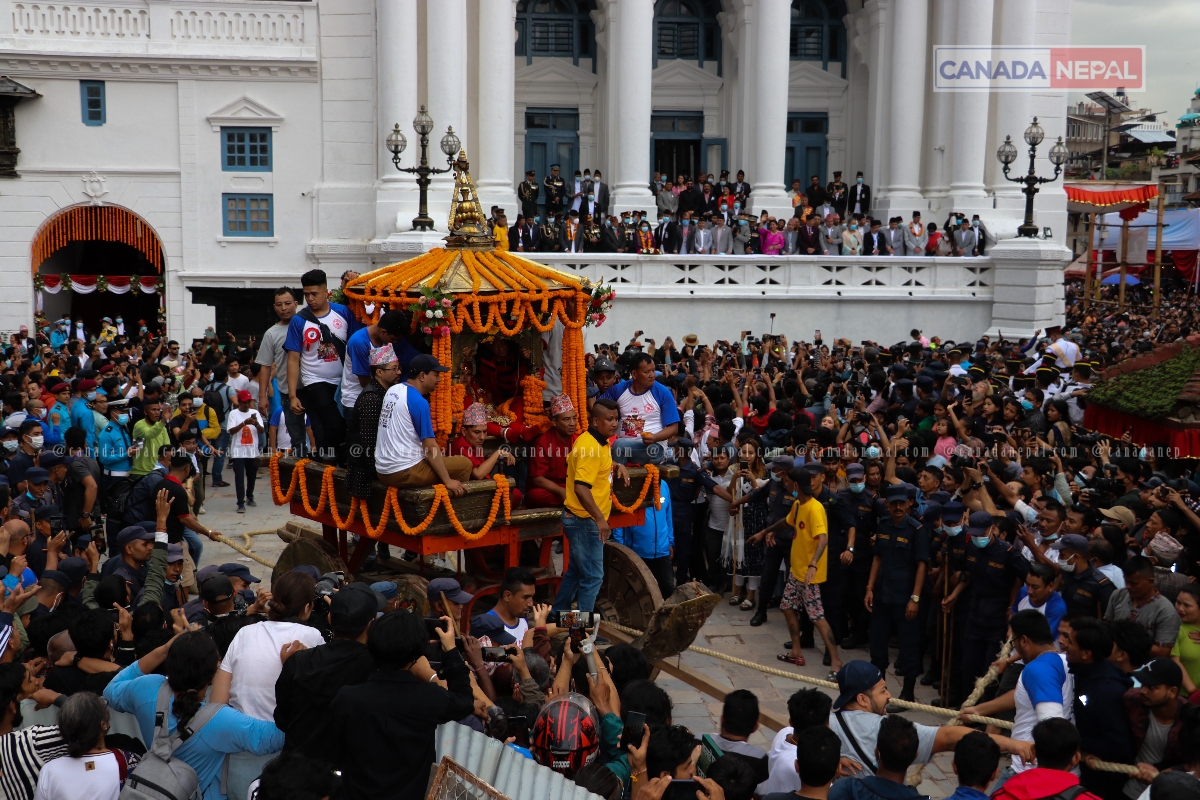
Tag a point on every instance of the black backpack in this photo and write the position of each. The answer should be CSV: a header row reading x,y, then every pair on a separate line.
x,y
216,397
139,502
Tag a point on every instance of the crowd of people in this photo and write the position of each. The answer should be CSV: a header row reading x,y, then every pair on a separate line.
x,y
705,215
922,502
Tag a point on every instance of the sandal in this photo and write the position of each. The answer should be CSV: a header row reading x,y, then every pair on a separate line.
x,y
733,601
832,676
790,659
747,605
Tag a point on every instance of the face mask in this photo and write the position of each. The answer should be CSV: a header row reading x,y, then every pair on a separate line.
x,y
608,223
36,442
1067,566
795,494
10,446
1031,516
591,197
858,488
1143,455
645,227
874,452
122,419
981,541
1027,405
41,413
1050,537
853,227
860,181
952,530
666,220
536,220
975,223
743,222
737,206
625,220
724,208
119,320
1080,481
685,223
90,396
722,183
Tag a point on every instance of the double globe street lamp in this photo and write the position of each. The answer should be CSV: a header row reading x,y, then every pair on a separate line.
x,y
1007,153
423,125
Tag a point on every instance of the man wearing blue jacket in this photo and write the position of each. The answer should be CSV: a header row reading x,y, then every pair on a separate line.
x,y
654,541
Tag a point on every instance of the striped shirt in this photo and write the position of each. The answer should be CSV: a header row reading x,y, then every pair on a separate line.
x,y
23,753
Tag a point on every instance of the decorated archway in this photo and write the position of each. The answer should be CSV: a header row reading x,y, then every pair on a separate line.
x,y
95,261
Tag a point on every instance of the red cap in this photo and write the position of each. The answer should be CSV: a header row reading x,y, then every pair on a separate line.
x,y
244,396
59,387
87,384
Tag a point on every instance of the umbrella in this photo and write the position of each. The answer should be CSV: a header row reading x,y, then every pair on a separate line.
x,y
1113,280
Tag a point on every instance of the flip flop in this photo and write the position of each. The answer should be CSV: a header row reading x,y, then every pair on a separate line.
x,y
795,660
747,605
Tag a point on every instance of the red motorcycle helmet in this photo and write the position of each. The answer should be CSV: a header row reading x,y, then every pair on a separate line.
x,y
566,734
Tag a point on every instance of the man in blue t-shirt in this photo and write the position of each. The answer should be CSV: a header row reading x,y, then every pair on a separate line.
x,y
316,345
647,413
391,329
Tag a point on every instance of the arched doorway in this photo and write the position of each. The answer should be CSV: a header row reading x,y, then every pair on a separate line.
x,y
95,261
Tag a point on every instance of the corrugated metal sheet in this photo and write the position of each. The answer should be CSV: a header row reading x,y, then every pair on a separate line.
x,y
504,768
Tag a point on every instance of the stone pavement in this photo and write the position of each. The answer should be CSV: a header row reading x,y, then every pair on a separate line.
x,y
727,631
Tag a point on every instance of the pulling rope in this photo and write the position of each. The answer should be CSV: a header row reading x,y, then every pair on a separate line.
x,y
223,539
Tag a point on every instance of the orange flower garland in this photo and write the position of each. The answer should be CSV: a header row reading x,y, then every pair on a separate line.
x,y
535,413
651,479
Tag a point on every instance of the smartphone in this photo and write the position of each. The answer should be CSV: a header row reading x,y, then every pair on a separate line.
x,y
574,619
634,730
682,790
495,655
432,626
518,728
817,335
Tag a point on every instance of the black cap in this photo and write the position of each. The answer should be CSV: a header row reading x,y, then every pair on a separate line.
x,y
1162,671
352,608
425,363
216,589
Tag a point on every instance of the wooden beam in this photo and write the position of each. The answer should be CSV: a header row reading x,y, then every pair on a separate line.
x,y
699,681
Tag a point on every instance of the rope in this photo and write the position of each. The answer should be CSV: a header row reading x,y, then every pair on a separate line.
x,y
223,539
989,677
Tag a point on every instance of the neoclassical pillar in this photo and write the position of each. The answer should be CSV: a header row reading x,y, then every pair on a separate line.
x,y
492,165
908,78
969,149
634,102
772,66
937,150
446,80
1018,25
397,86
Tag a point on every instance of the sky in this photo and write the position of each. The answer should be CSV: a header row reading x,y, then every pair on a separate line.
x,y
1169,30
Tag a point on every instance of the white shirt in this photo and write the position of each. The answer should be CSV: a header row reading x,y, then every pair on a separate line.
x,y
253,660
244,443
1046,689
93,777
1114,574
404,422
781,766
319,362
238,382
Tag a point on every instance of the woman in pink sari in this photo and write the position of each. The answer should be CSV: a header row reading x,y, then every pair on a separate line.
x,y
771,239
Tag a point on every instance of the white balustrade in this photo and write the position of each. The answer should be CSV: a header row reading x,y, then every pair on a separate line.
x,y
233,27
104,22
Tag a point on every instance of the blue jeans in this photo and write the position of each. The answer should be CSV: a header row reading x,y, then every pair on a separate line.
x,y
632,450
194,545
220,444
585,568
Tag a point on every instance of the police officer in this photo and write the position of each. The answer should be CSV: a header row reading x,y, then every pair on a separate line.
x,y
556,190
1084,589
860,500
951,559
894,588
527,193
779,502
993,574
684,489
549,234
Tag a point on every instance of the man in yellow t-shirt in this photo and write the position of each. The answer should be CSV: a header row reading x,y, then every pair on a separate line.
x,y
587,506
809,557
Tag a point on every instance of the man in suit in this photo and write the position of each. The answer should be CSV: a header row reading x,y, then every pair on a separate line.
x,y
522,237
895,235
859,198
810,238
980,233
609,241
571,238
722,236
690,199
915,236
687,235
837,192
600,190
741,189
876,242
791,237
527,193
831,234
667,237
556,192
709,204
703,241
576,191
816,194
966,243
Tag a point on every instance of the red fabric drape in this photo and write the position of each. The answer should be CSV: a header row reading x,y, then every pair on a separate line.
x,y
1133,194
1185,442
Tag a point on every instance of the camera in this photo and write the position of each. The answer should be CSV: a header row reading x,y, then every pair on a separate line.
x,y
574,619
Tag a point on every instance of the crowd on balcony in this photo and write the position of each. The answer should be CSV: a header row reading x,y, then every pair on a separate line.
x,y
710,216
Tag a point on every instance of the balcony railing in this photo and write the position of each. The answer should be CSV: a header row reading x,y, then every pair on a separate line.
x,y
220,28
807,276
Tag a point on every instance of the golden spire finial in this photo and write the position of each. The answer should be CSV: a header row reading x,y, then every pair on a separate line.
x,y
467,222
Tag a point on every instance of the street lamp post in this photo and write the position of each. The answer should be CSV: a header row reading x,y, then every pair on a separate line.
x,y
1007,153
396,143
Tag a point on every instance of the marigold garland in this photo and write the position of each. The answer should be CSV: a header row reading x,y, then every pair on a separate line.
x,y
651,479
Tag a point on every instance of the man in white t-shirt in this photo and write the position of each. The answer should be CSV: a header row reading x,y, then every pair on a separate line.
x,y
246,429
236,380
406,450
316,344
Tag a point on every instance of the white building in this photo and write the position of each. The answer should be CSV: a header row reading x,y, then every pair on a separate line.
x,y
248,135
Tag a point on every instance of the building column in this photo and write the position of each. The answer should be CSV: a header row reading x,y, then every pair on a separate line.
x,y
878,49
1018,24
493,164
969,149
772,65
446,81
635,52
937,152
397,85
907,122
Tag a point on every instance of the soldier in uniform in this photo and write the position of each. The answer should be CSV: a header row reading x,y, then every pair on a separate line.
x,y
893,593
837,192
549,232
627,233
556,190
1084,589
862,503
991,579
591,235
527,193
779,548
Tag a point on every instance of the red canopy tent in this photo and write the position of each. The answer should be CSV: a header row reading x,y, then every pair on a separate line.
x,y
1129,200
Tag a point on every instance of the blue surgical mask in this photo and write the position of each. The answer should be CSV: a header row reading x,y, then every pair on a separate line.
x,y
858,488
591,197
645,227
90,396
974,223
743,222
536,220
685,223
952,530
874,452
624,220
122,419
981,541
860,181
1050,537
1027,405
608,223
795,494
853,227
1143,455
1080,480
737,206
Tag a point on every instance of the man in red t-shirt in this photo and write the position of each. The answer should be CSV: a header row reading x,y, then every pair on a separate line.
x,y
546,486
